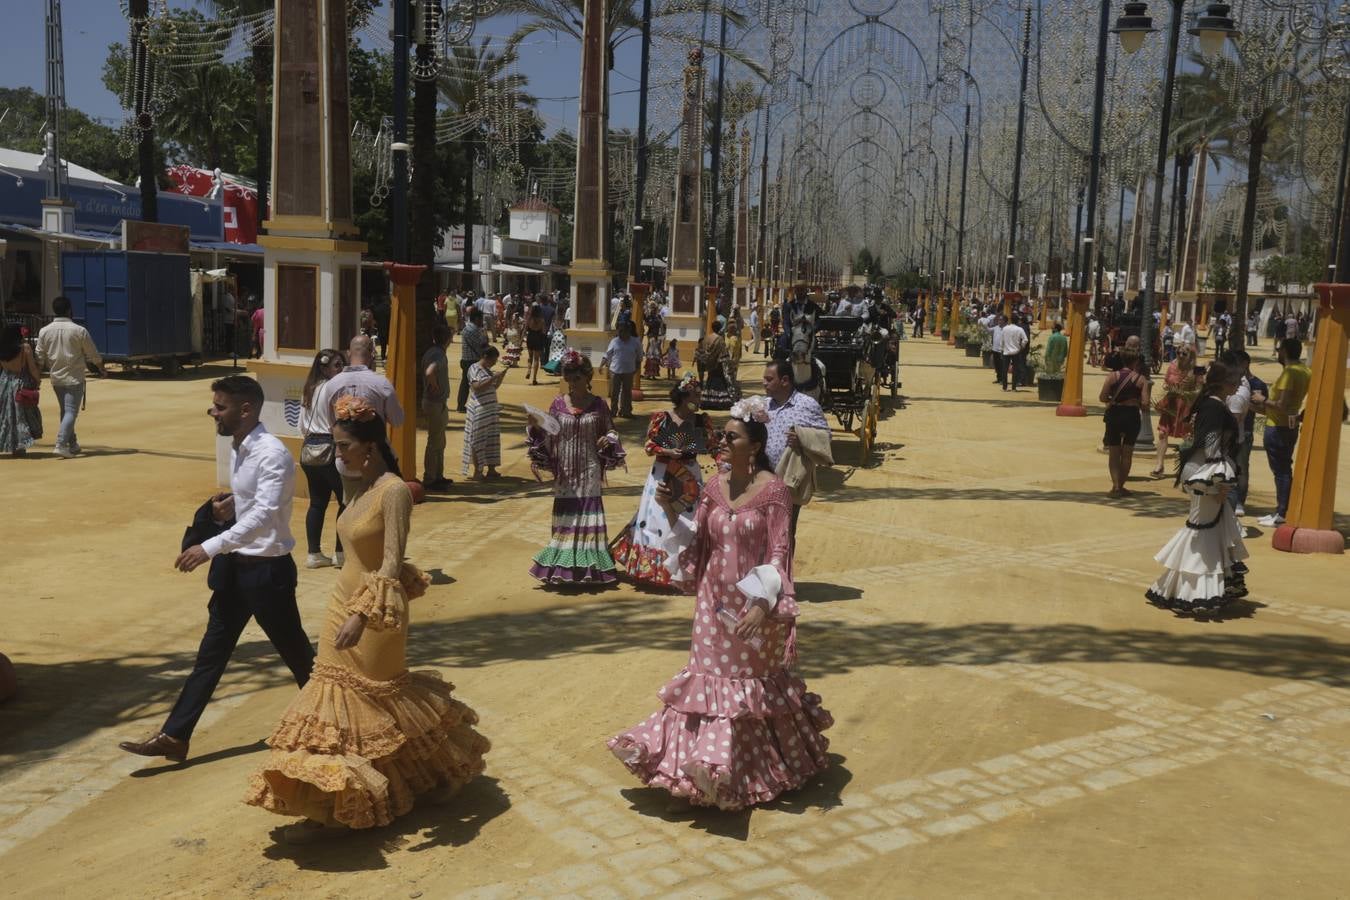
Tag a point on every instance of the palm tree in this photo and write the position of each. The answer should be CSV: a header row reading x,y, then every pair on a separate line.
x,y
473,79
1257,100
207,114
566,17
259,39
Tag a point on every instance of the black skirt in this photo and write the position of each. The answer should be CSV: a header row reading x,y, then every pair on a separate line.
x,y
1122,426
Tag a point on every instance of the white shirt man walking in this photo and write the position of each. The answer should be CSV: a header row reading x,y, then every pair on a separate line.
x,y
67,351
246,536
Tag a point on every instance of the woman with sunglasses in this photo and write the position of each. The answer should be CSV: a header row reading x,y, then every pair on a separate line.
x,y
649,548
575,441
737,727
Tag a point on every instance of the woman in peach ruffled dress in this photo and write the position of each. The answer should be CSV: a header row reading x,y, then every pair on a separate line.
x,y
365,736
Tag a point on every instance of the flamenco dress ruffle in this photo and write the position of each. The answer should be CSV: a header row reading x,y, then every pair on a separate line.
x,y
1203,562
729,742
357,751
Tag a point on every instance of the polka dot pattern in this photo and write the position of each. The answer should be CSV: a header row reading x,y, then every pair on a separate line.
x,y
737,728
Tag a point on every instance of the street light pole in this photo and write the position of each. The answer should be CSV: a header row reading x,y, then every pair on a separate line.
x,y
398,192
1011,278
1095,154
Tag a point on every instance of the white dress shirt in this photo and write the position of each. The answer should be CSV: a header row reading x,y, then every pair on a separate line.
x,y
1014,340
996,334
262,477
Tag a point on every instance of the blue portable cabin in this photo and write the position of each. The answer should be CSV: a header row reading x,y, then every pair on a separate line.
x,y
137,305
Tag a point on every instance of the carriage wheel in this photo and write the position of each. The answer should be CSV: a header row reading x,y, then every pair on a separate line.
x,y
867,433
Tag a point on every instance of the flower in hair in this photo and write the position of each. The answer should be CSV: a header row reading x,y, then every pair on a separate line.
x,y
351,408
572,357
751,409
689,378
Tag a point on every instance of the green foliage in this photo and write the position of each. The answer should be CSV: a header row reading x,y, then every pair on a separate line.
x,y
1305,269
84,141
1220,275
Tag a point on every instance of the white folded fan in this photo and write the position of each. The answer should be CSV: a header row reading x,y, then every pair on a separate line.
x,y
543,419
762,583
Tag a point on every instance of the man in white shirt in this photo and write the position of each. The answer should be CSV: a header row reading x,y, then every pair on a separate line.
x,y
996,341
246,536
623,356
1014,343
67,350
1187,333
754,329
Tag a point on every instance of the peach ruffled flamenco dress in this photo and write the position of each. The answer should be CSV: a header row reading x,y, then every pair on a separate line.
x,y
365,736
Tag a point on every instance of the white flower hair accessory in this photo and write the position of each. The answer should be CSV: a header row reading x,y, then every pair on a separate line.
x,y
751,409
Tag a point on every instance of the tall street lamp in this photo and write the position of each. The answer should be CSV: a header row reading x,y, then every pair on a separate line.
x,y
1133,26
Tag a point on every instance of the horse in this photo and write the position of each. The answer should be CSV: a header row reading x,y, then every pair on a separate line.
x,y
808,372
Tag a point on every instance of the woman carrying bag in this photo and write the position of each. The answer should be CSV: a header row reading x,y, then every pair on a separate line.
x,y
316,458
1126,395
20,417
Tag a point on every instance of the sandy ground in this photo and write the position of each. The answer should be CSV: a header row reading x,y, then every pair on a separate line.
x,y
1012,719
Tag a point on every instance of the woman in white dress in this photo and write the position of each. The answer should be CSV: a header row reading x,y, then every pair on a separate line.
x,y
1203,564
649,547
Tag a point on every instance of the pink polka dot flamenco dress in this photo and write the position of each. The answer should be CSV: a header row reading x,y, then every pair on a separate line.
x,y
737,727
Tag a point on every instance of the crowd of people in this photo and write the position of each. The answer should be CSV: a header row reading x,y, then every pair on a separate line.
x,y
365,738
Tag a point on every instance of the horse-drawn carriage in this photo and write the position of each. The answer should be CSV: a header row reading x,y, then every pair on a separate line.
x,y
841,363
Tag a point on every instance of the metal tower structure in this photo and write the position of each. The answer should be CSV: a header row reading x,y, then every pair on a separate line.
x,y
56,103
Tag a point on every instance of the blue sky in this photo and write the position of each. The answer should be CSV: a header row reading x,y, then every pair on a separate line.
x,y
90,25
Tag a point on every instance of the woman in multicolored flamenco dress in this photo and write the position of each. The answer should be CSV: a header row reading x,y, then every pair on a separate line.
x,y
649,548
1204,560
575,441
366,737
737,727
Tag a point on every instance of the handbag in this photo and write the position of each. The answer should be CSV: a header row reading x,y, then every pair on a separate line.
x,y
27,397
317,450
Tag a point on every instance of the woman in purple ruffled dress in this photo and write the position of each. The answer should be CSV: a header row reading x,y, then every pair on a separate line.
x,y
575,441
737,727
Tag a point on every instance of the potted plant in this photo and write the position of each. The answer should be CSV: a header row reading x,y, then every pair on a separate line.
x,y
974,333
1049,372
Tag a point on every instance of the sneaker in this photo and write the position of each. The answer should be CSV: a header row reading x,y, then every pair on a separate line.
x,y
317,561
1270,521
64,452
1239,511
76,449
339,558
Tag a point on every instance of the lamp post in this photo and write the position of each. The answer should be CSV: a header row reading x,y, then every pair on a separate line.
x,y
1133,26
1011,278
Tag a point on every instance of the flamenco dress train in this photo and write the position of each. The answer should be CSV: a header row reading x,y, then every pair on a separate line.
x,y
737,726
365,736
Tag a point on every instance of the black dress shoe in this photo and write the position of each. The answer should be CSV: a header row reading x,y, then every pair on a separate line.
x,y
159,745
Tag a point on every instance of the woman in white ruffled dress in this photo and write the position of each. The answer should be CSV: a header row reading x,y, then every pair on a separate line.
x,y
1204,560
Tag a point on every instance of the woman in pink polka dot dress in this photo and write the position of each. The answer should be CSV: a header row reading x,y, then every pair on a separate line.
x,y
738,727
